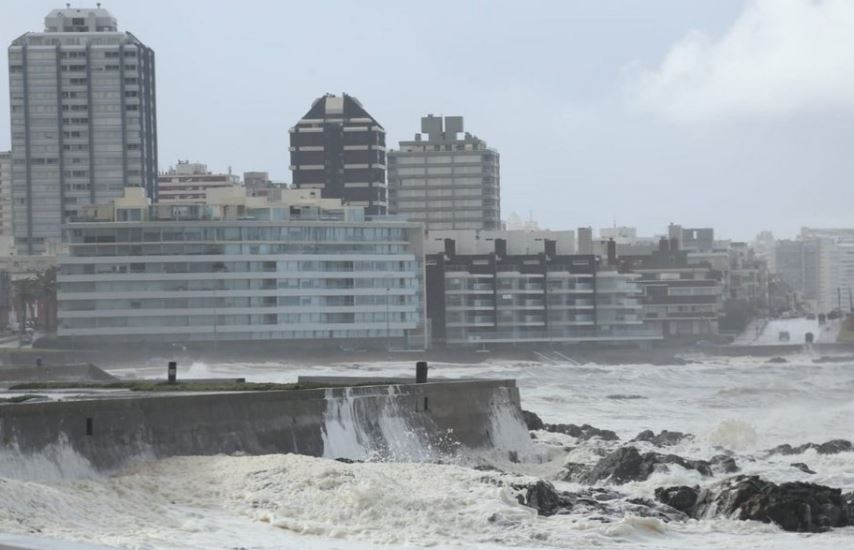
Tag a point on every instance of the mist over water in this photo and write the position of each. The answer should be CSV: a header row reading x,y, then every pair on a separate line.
x,y
744,405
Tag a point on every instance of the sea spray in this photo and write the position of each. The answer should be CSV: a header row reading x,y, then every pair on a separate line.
x,y
343,434
57,461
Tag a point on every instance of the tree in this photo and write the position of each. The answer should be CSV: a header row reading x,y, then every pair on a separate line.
x,y
25,293
46,296
37,294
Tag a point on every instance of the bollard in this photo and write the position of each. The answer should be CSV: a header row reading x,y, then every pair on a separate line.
x,y
421,372
172,371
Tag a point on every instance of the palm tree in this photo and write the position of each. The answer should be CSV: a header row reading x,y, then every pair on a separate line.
x,y
36,293
25,292
46,296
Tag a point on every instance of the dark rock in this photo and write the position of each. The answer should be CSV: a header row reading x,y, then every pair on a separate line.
x,y
804,507
543,497
831,447
834,446
723,464
802,467
574,471
664,439
627,464
533,421
784,449
681,498
585,431
777,360
595,503
348,460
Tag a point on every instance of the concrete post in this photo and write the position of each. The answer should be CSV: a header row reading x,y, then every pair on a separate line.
x,y
172,372
421,372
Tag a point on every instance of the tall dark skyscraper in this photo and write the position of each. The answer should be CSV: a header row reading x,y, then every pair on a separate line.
x,y
83,121
339,148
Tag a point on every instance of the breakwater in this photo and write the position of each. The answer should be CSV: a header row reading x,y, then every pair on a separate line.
x,y
399,421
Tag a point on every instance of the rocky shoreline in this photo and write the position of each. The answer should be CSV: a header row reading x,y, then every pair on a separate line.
x,y
793,506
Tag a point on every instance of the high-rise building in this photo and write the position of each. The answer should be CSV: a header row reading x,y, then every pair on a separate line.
x,y
834,267
83,121
5,194
444,180
190,181
339,148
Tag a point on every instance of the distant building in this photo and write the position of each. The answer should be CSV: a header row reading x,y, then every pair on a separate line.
x,y
680,299
500,298
83,120
585,240
699,239
797,264
834,268
764,245
339,148
515,222
618,233
190,181
444,180
252,179
242,268
5,194
258,184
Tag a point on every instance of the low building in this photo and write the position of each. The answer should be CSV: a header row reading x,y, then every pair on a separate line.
x,y
680,299
189,182
541,296
242,268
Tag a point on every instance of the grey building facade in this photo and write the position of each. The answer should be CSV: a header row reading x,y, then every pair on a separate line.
x,y
504,298
444,180
339,148
83,120
5,193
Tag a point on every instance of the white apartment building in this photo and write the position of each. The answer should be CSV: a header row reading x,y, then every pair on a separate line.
x,y
83,121
241,268
835,267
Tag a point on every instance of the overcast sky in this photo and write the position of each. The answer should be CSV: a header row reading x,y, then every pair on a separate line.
x,y
727,113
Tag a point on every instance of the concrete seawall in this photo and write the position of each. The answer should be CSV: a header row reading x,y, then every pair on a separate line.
x,y
406,421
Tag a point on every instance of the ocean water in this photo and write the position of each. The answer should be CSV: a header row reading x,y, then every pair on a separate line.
x,y
744,405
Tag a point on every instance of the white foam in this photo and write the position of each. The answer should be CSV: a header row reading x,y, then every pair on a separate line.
x,y
58,461
742,404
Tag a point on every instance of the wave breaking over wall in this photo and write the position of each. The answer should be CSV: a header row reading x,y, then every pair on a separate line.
x,y
406,422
